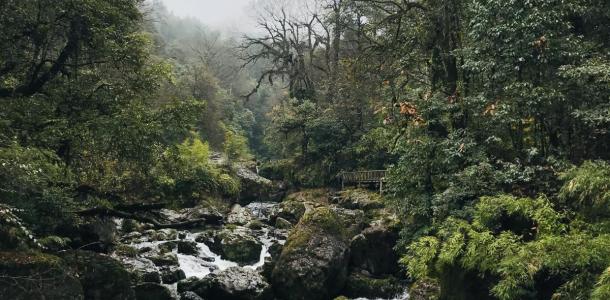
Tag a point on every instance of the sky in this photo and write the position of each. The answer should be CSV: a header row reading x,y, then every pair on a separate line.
x,y
219,14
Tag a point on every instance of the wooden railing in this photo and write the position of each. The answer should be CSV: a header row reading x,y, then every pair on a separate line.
x,y
358,177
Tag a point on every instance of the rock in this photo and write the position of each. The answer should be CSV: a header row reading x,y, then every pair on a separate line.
x,y
152,291
263,210
167,259
425,289
181,235
239,215
253,186
152,276
234,283
373,250
313,263
238,245
190,296
205,237
282,223
171,275
26,267
359,285
102,277
187,247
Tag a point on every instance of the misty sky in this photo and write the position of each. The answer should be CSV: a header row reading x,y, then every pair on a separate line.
x,y
215,13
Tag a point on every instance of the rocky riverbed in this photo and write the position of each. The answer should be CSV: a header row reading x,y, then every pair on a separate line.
x,y
311,244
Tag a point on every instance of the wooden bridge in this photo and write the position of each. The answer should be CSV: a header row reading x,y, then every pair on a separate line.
x,y
366,177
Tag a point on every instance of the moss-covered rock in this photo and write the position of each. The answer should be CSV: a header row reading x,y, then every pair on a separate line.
x,y
313,262
102,277
360,285
32,275
238,245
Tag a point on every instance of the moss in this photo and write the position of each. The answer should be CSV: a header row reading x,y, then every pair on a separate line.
x,y
325,219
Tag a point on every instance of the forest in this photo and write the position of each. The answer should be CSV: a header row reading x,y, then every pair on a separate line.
x,y
146,155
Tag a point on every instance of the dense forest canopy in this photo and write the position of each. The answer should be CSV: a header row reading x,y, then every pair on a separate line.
x,y
492,118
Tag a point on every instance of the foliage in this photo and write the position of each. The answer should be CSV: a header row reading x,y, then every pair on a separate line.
x,y
527,245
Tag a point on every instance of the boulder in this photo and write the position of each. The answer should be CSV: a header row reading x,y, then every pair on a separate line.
x,y
253,186
32,275
373,250
238,245
187,247
353,220
234,283
239,215
152,291
102,277
313,262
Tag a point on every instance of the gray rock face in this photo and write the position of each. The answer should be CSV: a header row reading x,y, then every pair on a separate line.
x,y
152,291
313,263
238,245
231,284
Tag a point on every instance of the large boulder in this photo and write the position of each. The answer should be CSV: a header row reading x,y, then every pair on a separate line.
x,y
102,277
32,275
373,250
253,186
238,245
234,283
313,262
152,291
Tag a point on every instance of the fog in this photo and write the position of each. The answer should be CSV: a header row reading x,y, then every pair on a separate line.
x,y
232,15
